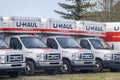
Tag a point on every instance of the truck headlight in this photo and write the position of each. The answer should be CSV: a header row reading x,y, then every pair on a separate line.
x,y
108,56
40,57
2,59
75,56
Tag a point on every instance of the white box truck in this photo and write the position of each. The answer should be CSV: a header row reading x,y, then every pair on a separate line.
x,y
12,61
90,39
113,34
38,55
73,56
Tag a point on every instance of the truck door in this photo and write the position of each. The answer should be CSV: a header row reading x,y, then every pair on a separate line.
x,y
15,43
51,43
85,44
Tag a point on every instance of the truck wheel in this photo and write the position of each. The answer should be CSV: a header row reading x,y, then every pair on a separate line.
x,y
99,66
14,74
30,69
51,72
114,70
66,67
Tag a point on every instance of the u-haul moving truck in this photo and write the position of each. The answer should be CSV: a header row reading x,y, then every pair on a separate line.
x,y
11,61
90,39
113,34
38,55
73,56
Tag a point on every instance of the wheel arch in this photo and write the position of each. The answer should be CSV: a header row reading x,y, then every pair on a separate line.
x,y
30,59
65,59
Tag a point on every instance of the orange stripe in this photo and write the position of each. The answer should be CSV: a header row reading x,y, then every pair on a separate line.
x,y
1,29
112,37
80,48
74,32
90,32
21,29
46,48
56,30
38,30
7,49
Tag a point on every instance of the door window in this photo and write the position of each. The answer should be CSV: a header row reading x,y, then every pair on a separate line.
x,y
15,43
85,44
52,43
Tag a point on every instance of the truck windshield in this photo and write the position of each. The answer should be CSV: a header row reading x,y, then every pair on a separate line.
x,y
99,44
3,44
66,42
33,42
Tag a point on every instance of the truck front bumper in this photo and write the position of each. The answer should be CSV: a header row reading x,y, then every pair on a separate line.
x,y
10,67
49,65
83,65
111,64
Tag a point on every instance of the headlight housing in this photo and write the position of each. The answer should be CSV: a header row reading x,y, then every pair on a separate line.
x,y
75,56
108,56
40,57
2,58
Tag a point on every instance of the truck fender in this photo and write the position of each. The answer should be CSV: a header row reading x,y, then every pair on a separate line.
x,y
97,58
64,58
30,59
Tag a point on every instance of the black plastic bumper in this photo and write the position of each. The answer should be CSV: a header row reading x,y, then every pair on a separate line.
x,y
50,65
11,70
111,64
84,67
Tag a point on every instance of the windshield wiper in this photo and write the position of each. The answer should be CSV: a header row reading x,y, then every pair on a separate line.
x,y
37,47
101,48
105,48
66,47
3,47
41,47
75,47
98,47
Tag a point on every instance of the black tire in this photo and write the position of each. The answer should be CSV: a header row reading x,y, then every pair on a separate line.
x,y
66,67
30,69
99,66
51,72
114,70
14,74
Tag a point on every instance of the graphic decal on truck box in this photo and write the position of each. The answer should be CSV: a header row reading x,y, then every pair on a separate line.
x,y
112,32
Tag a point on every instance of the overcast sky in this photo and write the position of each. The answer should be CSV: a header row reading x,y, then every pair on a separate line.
x,y
33,8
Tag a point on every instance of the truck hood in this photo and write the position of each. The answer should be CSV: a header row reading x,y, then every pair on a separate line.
x,y
76,50
42,50
10,51
108,51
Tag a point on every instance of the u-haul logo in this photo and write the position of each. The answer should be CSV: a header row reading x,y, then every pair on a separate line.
x,y
117,28
26,24
94,28
62,26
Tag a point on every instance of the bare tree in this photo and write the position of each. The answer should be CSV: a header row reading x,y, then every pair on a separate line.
x,y
107,8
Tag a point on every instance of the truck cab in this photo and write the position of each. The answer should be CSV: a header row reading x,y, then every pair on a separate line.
x,y
105,56
12,61
73,56
38,55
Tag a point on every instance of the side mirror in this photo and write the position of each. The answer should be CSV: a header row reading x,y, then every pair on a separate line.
x,y
112,46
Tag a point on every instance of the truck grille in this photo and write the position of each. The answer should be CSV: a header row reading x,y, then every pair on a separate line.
x,y
52,56
15,58
116,56
86,56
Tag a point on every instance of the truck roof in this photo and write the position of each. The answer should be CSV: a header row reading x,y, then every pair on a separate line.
x,y
59,36
90,38
23,36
